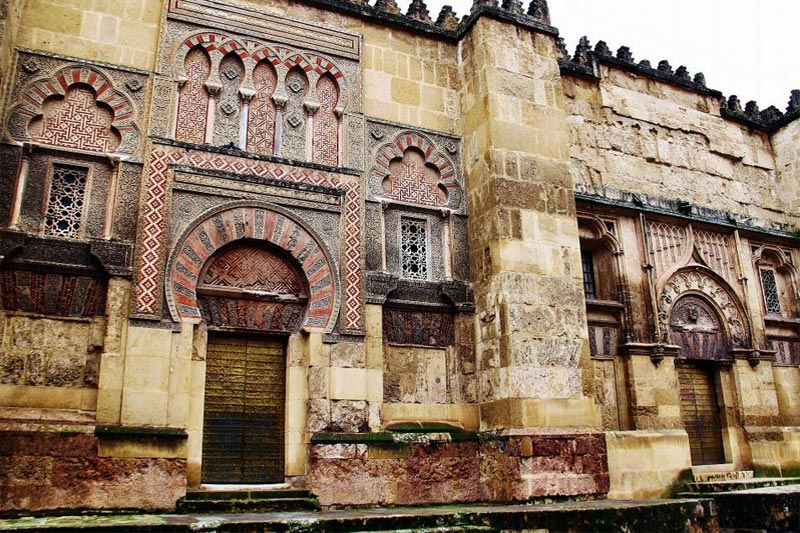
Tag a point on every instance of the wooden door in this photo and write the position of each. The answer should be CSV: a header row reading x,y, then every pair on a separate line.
x,y
243,429
700,412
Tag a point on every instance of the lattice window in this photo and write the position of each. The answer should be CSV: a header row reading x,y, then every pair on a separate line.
x,y
414,248
587,265
769,286
65,204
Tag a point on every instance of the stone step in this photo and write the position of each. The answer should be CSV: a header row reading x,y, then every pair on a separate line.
x,y
245,494
442,529
734,475
262,500
595,515
712,487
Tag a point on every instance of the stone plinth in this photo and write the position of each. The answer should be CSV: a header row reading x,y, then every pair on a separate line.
x,y
429,468
48,470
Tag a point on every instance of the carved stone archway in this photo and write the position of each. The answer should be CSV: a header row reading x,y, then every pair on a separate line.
x,y
247,285
256,222
700,281
695,327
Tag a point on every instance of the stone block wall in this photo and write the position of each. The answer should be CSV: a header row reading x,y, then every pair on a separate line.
x,y
61,469
785,143
646,464
417,469
50,363
629,134
120,33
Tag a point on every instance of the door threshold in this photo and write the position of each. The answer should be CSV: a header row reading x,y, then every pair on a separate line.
x,y
235,487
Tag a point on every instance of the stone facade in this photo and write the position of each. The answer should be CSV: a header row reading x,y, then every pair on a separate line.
x,y
435,261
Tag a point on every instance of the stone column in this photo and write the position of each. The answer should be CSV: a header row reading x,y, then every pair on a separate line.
x,y
532,342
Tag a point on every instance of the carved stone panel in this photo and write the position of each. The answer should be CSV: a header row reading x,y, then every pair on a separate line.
x,y
293,141
193,100
250,286
74,104
695,328
414,167
423,328
229,104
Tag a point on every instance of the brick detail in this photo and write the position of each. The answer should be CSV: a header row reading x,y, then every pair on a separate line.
x,y
44,470
491,469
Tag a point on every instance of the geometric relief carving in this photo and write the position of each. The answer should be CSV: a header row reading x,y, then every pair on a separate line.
x,y
148,292
247,286
293,142
249,267
193,99
75,121
696,330
701,283
77,107
239,313
409,168
261,120
423,328
411,180
247,222
227,121
51,293
326,123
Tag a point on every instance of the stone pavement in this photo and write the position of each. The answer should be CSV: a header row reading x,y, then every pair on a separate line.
x,y
601,515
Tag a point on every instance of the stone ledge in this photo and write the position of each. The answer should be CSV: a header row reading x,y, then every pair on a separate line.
x,y
138,432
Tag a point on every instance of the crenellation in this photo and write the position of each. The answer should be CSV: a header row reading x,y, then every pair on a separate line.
x,y
447,18
417,10
539,10
601,48
389,6
512,6
624,54
664,67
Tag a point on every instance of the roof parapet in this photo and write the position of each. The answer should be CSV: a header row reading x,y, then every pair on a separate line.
x,y
585,62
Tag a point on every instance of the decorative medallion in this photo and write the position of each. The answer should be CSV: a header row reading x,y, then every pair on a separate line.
x,y
294,120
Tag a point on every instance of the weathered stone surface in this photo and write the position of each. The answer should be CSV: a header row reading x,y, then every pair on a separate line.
x,y
495,468
62,470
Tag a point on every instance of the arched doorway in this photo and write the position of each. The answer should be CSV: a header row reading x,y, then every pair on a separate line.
x,y
695,328
251,295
